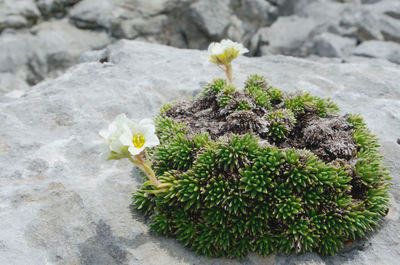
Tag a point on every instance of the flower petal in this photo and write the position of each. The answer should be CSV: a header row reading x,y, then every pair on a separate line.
x,y
147,130
135,151
116,146
126,138
152,141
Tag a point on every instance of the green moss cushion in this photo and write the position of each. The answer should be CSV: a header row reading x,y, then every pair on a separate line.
x,y
257,170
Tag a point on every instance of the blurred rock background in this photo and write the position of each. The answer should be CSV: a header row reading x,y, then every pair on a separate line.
x,y
41,38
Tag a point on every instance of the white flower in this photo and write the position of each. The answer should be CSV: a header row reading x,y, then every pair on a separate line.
x,y
224,52
112,142
124,135
138,136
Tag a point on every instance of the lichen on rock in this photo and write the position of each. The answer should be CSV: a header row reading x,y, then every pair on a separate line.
x,y
260,170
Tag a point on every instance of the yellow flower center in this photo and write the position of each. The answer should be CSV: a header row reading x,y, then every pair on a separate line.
x,y
138,140
226,57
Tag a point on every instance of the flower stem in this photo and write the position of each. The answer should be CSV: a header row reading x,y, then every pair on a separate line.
x,y
145,166
228,71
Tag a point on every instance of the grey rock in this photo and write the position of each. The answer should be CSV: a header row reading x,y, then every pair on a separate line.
x,y
390,28
259,13
55,8
370,1
94,56
61,204
328,28
331,45
18,15
387,7
212,17
59,45
249,16
47,50
293,35
12,87
324,11
379,49
289,7
15,51
236,30
285,36
373,24
142,19
93,14
13,21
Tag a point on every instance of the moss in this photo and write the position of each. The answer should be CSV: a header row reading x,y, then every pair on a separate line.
x,y
283,175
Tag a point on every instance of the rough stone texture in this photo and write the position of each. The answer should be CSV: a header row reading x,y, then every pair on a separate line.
x,y
331,45
46,49
55,8
297,34
18,14
93,14
61,204
213,21
379,49
297,28
12,86
285,37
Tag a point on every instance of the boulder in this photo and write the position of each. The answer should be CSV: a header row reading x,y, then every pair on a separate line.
x,y
370,1
390,8
211,17
290,7
60,203
357,22
22,14
328,28
93,14
372,23
379,49
46,50
331,45
390,28
12,86
55,8
288,35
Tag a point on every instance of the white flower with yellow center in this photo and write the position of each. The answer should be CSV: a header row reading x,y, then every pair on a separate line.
x,y
224,52
138,136
125,138
112,142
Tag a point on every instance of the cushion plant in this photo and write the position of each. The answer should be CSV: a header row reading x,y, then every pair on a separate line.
x,y
258,170
254,169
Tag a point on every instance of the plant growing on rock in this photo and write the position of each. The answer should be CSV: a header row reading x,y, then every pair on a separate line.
x,y
223,53
260,170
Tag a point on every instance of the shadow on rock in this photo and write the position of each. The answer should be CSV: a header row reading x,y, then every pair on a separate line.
x,y
103,248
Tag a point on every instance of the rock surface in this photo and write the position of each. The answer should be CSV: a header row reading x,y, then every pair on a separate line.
x,y
23,14
46,49
379,49
327,28
305,32
331,45
61,204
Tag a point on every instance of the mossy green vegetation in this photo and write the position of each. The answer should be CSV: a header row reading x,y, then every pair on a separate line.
x,y
258,178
